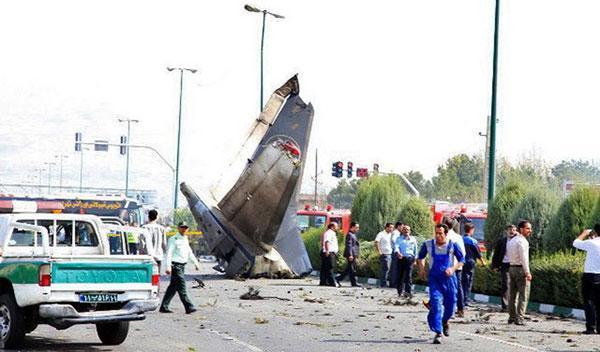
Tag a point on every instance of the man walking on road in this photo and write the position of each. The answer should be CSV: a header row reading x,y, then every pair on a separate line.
x,y
500,263
329,251
405,253
445,257
351,253
178,254
156,244
472,253
520,276
383,242
589,242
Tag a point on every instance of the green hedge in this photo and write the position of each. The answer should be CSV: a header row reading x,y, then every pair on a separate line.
x,y
574,215
500,211
378,200
417,214
367,264
556,277
539,208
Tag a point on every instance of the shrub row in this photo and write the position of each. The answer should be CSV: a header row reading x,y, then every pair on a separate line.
x,y
555,224
556,279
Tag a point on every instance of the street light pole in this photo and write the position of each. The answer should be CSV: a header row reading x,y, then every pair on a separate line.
x,y
129,121
181,69
81,169
61,156
492,131
49,173
40,179
250,8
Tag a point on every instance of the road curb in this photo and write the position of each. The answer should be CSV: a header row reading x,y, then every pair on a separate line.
x,y
532,306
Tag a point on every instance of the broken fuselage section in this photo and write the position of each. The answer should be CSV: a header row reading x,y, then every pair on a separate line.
x,y
251,228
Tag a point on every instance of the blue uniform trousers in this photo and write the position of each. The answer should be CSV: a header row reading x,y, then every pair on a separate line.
x,y
442,298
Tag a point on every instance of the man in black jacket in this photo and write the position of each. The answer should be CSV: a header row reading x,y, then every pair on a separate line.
x,y
501,263
351,253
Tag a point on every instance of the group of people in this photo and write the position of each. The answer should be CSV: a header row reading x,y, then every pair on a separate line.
x,y
451,260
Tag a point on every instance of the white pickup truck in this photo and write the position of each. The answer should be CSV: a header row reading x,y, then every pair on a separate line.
x,y
56,269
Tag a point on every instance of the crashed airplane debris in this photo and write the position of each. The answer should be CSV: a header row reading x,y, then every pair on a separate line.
x,y
249,221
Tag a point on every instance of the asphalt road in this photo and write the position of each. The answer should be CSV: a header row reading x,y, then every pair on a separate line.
x,y
302,316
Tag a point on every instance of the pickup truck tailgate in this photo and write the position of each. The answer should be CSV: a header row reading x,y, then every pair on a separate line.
x,y
123,281
101,273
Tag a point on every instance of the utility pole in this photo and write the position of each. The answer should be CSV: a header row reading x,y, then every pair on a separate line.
x,y
61,157
49,173
181,69
129,121
40,179
486,158
316,173
492,132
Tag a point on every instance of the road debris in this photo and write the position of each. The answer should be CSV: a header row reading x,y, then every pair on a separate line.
x,y
319,325
310,299
254,294
199,283
258,320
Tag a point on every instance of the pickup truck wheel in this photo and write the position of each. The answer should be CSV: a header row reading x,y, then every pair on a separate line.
x,y
12,324
113,333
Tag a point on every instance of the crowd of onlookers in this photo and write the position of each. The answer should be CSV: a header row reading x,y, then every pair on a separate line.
x,y
452,259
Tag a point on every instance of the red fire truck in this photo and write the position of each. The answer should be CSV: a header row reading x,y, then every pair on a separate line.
x,y
474,213
309,217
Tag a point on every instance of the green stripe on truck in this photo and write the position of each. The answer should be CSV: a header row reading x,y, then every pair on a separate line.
x,y
21,272
79,273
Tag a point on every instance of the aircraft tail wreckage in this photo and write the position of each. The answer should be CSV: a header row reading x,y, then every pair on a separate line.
x,y
250,222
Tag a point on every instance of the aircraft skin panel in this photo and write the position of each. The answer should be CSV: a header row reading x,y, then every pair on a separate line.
x,y
294,123
254,136
256,204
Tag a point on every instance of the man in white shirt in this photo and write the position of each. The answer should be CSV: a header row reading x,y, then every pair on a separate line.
x,y
589,241
458,239
329,249
156,243
383,243
517,250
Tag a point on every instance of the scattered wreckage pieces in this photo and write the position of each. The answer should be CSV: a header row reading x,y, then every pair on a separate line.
x,y
319,325
398,302
315,300
253,294
259,320
199,283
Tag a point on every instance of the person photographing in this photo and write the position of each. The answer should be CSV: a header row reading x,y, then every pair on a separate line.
x,y
589,241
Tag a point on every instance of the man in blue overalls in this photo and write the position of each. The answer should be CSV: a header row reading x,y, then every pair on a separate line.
x,y
442,285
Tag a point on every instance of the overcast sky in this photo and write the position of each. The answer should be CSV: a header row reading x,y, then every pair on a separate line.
x,y
405,84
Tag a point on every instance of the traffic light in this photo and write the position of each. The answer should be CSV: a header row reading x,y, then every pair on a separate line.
x,y
375,168
350,166
77,141
123,148
337,169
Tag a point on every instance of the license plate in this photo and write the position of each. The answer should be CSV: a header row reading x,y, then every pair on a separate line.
x,y
98,297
